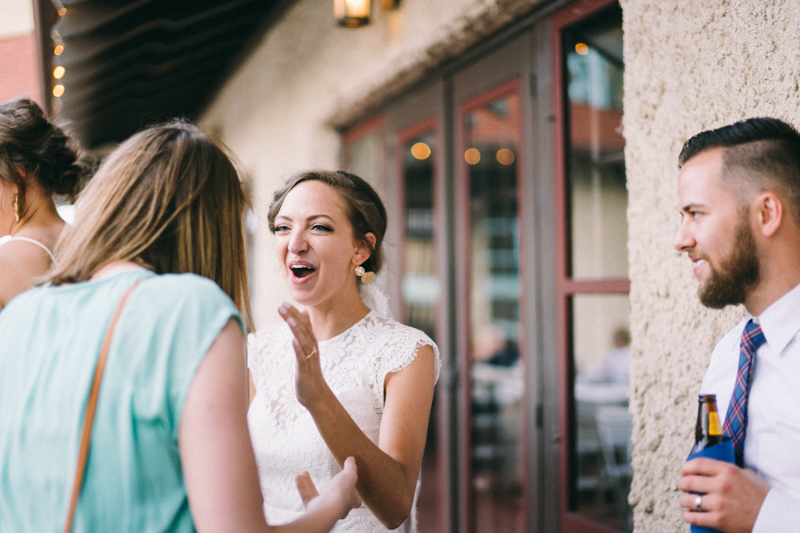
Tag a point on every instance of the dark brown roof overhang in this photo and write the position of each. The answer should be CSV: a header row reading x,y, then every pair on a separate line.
x,y
129,64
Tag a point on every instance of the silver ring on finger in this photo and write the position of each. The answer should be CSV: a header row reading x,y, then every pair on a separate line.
x,y
311,353
698,502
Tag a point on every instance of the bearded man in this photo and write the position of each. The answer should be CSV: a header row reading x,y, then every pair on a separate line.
x,y
739,189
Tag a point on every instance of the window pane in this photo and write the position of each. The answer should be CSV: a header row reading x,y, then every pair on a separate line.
x,y
601,350
365,159
420,289
597,185
497,377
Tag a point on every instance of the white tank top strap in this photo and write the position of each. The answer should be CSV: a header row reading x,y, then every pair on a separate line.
x,y
7,238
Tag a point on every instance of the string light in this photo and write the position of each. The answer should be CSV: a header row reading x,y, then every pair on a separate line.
x,y
421,150
505,156
472,156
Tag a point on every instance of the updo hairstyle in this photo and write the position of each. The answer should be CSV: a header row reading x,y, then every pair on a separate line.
x,y
363,208
31,142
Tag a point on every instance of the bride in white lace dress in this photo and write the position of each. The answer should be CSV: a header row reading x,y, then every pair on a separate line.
x,y
340,378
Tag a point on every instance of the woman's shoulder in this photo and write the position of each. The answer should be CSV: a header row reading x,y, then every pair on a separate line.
x,y
389,328
175,291
184,286
400,344
188,297
24,258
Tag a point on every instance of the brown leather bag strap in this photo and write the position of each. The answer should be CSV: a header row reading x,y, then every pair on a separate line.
x,y
91,407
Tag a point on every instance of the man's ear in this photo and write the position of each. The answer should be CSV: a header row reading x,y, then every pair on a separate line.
x,y
769,213
363,251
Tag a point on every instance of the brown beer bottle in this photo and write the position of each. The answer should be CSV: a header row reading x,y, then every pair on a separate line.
x,y
708,431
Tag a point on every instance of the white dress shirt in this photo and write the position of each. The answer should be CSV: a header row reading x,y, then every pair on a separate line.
x,y
772,443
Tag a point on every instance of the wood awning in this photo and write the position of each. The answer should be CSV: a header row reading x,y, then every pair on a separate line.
x,y
129,64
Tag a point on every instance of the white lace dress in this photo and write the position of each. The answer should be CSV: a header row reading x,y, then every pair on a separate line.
x,y
286,440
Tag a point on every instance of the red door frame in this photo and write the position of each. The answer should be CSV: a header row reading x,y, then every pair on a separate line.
x,y
430,124
462,315
567,287
362,129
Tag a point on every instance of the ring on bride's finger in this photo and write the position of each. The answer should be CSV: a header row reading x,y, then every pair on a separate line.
x,y
312,352
698,502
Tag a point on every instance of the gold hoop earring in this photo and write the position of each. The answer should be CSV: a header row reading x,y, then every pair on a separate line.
x,y
366,277
16,207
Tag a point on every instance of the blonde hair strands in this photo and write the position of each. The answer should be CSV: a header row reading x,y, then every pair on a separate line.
x,y
169,197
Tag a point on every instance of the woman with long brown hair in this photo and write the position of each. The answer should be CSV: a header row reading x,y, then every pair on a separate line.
x,y
37,160
160,223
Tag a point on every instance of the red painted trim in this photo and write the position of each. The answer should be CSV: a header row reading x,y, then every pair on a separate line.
x,y
446,447
428,125
424,126
509,87
562,311
600,286
566,287
353,134
461,316
576,11
575,523
490,95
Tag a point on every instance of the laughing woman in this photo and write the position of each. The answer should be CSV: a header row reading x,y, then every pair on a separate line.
x,y
341,378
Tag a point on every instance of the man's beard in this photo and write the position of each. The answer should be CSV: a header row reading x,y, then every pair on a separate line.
x,y
737,275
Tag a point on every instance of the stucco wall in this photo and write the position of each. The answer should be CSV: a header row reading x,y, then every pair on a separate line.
x,y
19,64
689,66
279,111
17,18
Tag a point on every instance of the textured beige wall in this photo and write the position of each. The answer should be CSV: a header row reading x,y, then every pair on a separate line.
x,y
689,66
279,111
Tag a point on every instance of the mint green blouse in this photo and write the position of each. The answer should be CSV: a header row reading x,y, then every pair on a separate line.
x,y
50,339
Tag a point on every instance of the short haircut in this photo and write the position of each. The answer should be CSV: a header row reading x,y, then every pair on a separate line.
x,y
766,149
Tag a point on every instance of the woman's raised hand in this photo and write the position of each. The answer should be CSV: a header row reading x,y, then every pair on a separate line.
x,y
309,383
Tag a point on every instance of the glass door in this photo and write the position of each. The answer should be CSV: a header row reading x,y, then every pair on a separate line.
x,y
592,269
491,152
505,184
420,288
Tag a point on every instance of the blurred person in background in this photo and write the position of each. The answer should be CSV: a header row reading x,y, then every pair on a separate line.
x,y
170,449
37,160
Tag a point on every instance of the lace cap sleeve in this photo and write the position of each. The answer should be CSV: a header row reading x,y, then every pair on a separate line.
x,y
402,348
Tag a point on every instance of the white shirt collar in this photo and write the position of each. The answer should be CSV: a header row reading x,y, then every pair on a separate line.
x,y
780,322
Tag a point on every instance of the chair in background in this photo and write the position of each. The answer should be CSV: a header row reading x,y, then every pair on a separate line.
x,y
614,428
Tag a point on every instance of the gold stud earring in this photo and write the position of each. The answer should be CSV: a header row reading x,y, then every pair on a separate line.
x,y
366,277
16,207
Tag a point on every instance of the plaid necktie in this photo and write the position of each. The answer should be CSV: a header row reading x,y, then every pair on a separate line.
x,y
736,420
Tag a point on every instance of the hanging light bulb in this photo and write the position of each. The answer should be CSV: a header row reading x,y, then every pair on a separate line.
x,y
352,13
